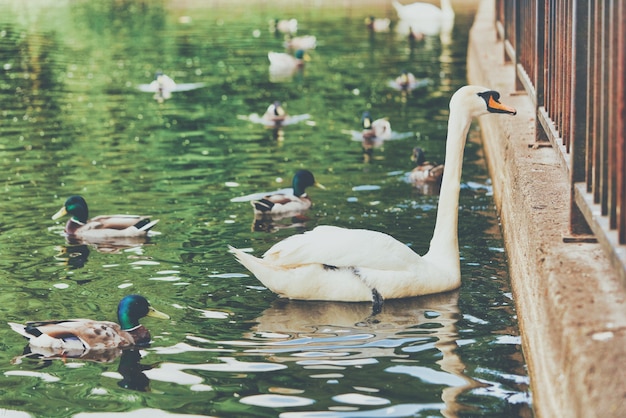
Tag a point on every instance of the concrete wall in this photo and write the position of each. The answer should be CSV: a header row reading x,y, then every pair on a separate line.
x,y
571,305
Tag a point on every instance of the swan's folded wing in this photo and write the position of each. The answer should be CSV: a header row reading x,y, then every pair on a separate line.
x,y
340,247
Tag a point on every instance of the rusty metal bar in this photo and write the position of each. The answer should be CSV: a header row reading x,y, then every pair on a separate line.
x,y
578,110
620,115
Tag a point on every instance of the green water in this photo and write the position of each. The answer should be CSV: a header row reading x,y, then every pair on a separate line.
x,y
73,122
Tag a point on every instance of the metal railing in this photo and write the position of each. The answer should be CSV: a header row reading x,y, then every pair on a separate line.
x,y
569,57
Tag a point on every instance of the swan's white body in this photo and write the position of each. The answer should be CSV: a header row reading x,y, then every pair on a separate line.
x,y
331,263
425,18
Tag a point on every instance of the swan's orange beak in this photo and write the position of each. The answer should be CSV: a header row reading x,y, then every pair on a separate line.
x,y
498,107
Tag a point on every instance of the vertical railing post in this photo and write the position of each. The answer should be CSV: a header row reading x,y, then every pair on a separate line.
x,y
540,68
578,112
518,43
611,28
621,121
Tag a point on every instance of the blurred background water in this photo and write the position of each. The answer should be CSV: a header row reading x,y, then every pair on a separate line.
x,y
73,121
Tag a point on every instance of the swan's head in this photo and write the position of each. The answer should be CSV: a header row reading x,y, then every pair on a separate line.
x,y
477,101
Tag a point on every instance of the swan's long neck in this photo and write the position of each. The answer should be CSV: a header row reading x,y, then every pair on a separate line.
x,y
446,7
445,244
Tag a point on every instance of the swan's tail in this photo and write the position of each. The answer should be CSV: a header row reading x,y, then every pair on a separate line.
x,y
260,268
248,260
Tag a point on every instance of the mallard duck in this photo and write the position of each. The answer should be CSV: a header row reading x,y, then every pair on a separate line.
x,y
275,117
424,171
101,227
287,202
304,43
377,24
283,66
76,337
284,62
424,18
374,133
275,114
407,82
353,265
162,86
288,26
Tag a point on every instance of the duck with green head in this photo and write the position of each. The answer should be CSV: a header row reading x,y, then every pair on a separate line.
x,y
287,202
77,337
101,227
283,66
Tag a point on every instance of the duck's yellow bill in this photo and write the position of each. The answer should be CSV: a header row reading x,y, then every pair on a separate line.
x,y
320,185
157,314
62,212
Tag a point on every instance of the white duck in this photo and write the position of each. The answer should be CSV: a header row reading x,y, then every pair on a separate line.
x,y
354,265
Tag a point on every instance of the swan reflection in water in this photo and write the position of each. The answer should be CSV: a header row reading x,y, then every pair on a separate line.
x,y
312,335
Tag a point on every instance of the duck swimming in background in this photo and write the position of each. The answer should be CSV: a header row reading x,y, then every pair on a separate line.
x,y
377,24
286,202
282,204
425,176
424,171
104,227
304,43
407,82
83,337
358,265
275,116
373,134
162,86
287,26
283,65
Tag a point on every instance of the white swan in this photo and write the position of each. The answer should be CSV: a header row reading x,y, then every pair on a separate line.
x,y
353,265
425,18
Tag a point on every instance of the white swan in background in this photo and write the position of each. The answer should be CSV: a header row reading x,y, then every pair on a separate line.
x,y
355,265
425,18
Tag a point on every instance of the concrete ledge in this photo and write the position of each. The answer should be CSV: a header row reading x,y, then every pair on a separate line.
x,y
571,304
